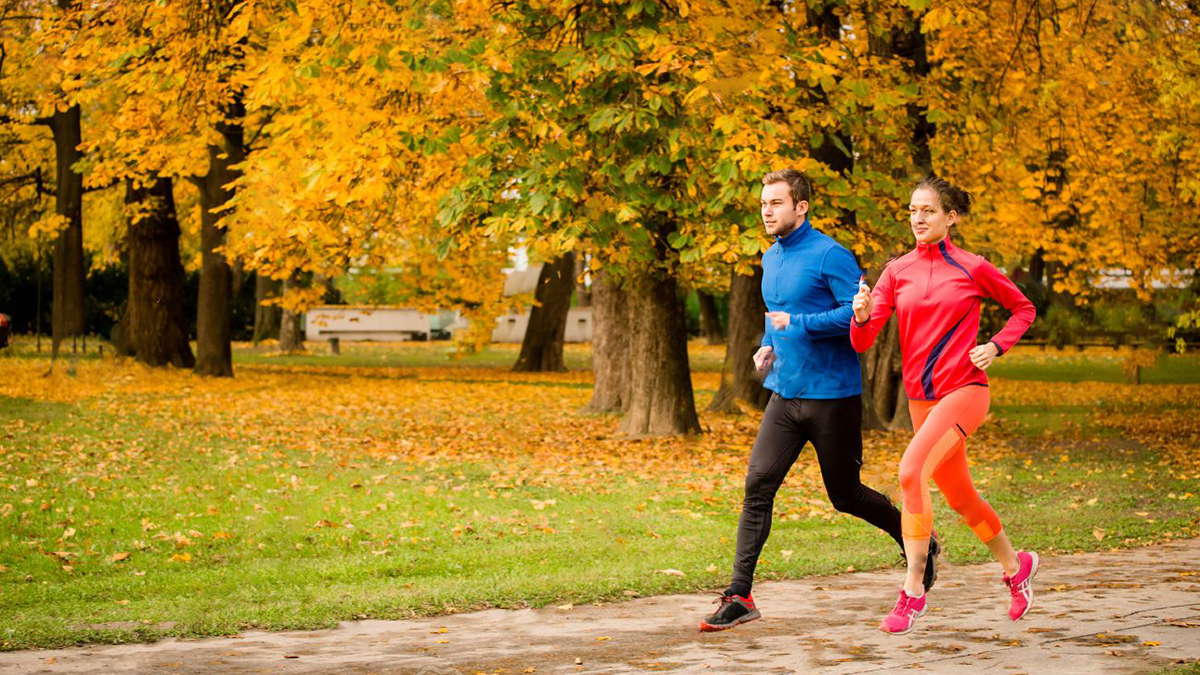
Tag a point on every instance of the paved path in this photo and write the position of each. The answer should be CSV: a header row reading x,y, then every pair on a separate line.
x,y
1132,611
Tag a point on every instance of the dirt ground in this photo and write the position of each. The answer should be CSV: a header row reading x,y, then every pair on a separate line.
x,y
1132,611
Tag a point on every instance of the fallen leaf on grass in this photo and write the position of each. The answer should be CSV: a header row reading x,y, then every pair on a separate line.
x,y
118,557
1098,534
674,573
182,557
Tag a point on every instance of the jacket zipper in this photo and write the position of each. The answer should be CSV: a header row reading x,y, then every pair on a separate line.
x,y
929,281
778,272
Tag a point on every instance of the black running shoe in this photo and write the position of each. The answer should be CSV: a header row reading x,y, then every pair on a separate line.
x,y
931,563
733,609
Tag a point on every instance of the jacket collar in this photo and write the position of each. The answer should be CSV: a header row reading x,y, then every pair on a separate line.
x,y
937,250
791,238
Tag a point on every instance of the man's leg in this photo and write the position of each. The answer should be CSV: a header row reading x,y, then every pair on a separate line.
x,y
776,448
835,427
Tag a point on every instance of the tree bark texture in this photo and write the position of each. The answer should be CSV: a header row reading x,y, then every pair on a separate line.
x,y
69,273
266,317
155,327
214,351
660,398
739,380
885,404
710,319
289,324
610,346
583,293
542,346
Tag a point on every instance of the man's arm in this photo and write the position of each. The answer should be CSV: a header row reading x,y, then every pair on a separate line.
x,y
840,274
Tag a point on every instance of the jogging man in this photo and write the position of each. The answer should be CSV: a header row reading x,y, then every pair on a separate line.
x,y
809,283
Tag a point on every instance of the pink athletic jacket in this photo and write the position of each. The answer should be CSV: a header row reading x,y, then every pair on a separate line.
x,y
935,291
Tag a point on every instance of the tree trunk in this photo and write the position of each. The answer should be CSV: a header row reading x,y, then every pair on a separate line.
x,y
739,380
710,319
610,345
214,352
155,328
542,346
69,273
583,294
289,325
660,387
885,404
266,317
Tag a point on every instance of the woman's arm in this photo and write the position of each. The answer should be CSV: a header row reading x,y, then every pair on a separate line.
x,y
862,336
995,285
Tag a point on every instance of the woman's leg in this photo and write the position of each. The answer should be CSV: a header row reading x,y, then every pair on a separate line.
x,y
913,541
939,440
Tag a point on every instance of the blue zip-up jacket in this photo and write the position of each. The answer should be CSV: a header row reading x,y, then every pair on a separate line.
x,y
813,278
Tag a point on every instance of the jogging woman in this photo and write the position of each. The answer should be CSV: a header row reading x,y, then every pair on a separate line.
x,y
935,291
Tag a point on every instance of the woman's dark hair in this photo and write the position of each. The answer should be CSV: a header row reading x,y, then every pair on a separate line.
x,y
951,197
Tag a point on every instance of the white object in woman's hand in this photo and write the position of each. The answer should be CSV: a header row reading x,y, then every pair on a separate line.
x,y
862,303
983,355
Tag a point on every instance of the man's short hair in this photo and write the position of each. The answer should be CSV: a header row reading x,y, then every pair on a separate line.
x,y
799,185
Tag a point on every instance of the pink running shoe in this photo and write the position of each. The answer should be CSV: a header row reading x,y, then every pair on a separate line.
x,y
904,614
1020,585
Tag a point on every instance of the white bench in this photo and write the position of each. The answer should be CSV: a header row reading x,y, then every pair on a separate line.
x,y
511,327
385,324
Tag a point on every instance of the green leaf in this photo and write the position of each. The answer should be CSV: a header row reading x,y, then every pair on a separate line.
x,y
537,202
601,119
678,240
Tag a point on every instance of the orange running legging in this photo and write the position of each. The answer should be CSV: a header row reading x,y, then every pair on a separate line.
x,y
937,451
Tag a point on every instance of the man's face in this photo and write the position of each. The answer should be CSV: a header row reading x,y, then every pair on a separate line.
x,y
779,213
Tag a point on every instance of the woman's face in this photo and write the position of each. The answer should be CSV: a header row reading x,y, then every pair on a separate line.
x,y
930,222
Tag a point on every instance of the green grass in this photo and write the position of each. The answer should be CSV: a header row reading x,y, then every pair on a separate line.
x,y
1192,668
309,551
1097,365
316,538
437,354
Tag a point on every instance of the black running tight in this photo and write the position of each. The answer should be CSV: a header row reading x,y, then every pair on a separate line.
x,y
834,427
